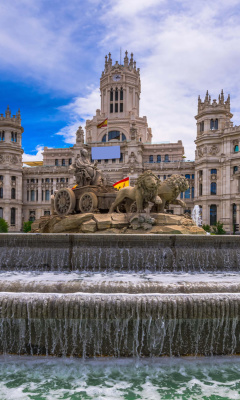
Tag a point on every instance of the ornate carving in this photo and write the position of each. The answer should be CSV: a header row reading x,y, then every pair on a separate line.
x,y
170,189
200,152
14,159
2,159
144,191
80,135
214,150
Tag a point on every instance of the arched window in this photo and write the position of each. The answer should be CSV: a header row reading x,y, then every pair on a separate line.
x,y
187,176
1,193
123,137
166,158
113,135
151,159
104,139
158,158
200,189
235,169
212,124
111,94
201,126
216,124
1,212
121,94
13,216
234,213
47,195
213,214
13,193
236,148
213,188
2,135
116,94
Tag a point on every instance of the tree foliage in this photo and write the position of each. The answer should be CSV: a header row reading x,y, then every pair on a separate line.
x,y
3,226
27,226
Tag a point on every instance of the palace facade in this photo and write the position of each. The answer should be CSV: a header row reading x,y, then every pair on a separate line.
x,y
214,176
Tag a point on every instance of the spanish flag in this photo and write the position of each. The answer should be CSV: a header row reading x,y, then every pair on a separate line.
x,y
104,123
121,184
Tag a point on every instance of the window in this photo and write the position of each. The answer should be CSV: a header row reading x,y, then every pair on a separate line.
x,y
106,161
13,178
2,135
187,194
51,180
234,213
42,195
166,158
113,160
158,158
214,124
151,159
63,163
36,195
32,180
1,177
13,137
116,95
56,163
104,139
213,214
202,126
42,180
66,179
27,195
200,189
187,176
111,108
121,94
113,135
62,179
111,94
70,161
164,177
13,193
121,107
121,157
47,180
123,137
213,171
235,169
200,173
192,192
1,212
13,216
236,148
213,188
192,176
116,107
32,216
46,212
1,193
47,195
32,195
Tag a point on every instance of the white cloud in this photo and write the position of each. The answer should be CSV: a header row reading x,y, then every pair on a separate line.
x,y
34,157
78,111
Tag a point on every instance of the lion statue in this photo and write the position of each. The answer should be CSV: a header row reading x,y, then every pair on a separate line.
x,y
144,191
170,189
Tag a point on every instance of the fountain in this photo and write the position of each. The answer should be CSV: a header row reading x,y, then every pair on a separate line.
x,y
197,215
121,295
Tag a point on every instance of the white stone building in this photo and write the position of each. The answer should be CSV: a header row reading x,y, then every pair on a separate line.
x,y
214,176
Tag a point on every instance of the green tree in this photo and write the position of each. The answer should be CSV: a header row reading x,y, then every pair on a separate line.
x,y
218,228
27,226
206,227
3,226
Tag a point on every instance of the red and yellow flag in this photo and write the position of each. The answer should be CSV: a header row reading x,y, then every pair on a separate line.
x,y
104,123
121,184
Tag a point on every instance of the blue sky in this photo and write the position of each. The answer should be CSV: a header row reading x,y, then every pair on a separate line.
x,y
52,56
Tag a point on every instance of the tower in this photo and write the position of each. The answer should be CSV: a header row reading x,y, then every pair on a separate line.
x,y
11,169
120,88
217,161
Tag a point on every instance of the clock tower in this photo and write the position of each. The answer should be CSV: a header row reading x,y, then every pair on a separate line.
x,y
120,88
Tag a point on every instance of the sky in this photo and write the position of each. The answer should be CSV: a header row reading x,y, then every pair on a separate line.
x,y
53,53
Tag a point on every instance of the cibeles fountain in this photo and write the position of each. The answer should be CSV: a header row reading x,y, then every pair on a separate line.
x,y
135,281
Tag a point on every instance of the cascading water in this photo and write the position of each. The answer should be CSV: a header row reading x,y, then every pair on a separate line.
x,y
123,295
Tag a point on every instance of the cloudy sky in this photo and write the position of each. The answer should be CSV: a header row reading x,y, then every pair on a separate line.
x,y
52,56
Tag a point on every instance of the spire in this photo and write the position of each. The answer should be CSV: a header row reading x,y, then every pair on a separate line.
x,y
131,60
126,59
222,96
206,97
109,59
106,63
8,112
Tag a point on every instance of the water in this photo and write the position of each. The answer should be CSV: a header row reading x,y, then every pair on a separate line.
x,y
25,378
197,216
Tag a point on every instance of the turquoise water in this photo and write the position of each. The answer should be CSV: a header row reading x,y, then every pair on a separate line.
x,y
41,378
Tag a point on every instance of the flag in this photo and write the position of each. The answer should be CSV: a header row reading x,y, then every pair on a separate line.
x,y
121,184
104,123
